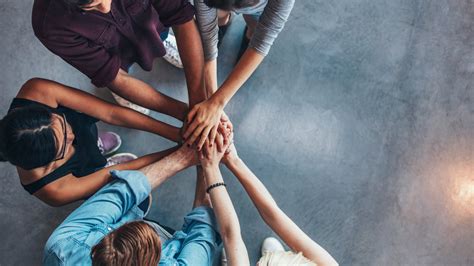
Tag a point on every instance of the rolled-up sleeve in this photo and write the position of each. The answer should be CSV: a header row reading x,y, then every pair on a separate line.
x,y
92,60
207,22
271,23
174,12
110,203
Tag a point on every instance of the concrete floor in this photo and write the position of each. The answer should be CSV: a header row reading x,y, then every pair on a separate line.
x,y
360,122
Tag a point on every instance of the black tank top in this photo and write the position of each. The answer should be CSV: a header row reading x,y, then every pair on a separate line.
x,y
87,157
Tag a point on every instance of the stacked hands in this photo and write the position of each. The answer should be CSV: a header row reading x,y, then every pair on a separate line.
x,y
203,123
214,148
211,155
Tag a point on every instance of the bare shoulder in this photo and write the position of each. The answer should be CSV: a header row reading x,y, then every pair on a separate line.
x,y
39,90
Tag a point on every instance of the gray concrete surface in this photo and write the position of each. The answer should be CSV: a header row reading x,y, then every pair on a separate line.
x,y
360,122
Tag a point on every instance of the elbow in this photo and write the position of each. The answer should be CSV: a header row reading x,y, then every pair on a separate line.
x,y
118,81
53,197
32,82
54,202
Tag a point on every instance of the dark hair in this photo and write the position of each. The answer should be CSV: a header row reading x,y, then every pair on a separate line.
x,y
230,4
134,243
26,137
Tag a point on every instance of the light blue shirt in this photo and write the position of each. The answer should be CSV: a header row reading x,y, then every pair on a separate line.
x,y
116,204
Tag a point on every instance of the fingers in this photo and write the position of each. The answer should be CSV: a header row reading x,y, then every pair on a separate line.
x,y
212,136
230,140
226,121
190,129
190,124
230,126
214,132
220,143
196,133
204,136
224,118
226,140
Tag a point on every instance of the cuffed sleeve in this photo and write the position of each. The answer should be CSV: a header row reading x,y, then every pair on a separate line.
x,y
174,12
207,22
271,23
109,204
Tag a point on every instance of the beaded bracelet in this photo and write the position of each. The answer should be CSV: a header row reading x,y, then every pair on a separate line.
x,y
215,185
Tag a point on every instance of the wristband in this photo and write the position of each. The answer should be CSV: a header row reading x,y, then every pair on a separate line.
x,y
215,185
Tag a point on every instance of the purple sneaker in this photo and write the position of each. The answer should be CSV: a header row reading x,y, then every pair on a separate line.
x,y
120,158
108,142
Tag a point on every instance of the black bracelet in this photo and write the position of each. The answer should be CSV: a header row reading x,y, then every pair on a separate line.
x,y
215,185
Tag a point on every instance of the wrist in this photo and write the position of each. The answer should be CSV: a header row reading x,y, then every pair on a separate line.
x,y
210,167
187,157
232,162
217,101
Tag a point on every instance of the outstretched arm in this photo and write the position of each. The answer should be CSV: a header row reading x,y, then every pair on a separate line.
x,y
70,188
144,95
205,115
222,204
53,94
280,223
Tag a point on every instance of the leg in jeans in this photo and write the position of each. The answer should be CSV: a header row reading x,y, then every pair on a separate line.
x,y
251,21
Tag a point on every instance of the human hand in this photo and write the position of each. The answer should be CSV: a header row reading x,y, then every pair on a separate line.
x,y
203,119
188,155
230,155
225,127
210,156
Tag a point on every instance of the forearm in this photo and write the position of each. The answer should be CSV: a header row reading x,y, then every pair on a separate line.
x,y
143,94
257,192
270,24
274,217
227,218
190,51
247,64
160,171
207,20
125,117
72,189
210,77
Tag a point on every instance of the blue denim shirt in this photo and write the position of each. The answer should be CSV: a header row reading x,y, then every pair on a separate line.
x,y
116,204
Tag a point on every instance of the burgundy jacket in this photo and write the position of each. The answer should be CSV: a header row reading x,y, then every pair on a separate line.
x,y
100,44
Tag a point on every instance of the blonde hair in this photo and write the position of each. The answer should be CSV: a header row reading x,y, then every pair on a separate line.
x,y
134,243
